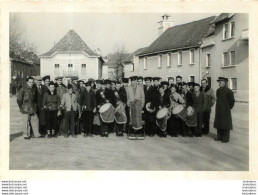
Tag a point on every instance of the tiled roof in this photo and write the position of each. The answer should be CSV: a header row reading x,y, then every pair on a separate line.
x,y
71,42
115,58
131,56
222,17
180,36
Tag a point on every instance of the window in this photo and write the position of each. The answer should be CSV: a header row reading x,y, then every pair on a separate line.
x,y
225,59
169,62
83,69
209,81
180,60
232,34
192,56
160,61
233,83
208,60
225,34
56,71
70,68
145,63
232,58
191,79
132,67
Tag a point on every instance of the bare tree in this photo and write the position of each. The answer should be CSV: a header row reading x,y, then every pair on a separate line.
x,y
118,57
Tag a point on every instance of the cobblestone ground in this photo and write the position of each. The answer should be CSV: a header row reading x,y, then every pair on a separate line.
x,y
118,153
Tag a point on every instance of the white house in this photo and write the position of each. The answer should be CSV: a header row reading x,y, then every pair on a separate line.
x,y
71,57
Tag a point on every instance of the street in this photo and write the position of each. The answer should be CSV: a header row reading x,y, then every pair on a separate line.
x,y
119,153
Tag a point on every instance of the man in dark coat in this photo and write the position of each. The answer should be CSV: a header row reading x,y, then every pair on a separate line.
x,y
224,103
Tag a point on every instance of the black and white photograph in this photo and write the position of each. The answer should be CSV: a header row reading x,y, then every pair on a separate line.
x,y
159,91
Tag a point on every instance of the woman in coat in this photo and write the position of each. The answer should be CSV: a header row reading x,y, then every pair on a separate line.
x,y
224,104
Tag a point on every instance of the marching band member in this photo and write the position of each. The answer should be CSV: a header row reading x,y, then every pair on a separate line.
x,y
87,103
70,105
123,88
149,112
140,80
26,99
135,101
163,101
175,122
198,98
170,81
51,102
156,82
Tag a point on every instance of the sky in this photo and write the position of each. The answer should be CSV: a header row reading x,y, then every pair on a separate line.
x,y
105,31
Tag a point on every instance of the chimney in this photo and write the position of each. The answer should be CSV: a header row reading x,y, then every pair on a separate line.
x,y
165,23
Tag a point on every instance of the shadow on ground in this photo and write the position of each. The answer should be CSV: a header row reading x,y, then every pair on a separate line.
x,y
15,135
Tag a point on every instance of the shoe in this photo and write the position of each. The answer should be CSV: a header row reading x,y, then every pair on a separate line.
x,y
66,136
84,135
217,139
49,136
54,136
74,136
224,141
26,137
106,135
90,135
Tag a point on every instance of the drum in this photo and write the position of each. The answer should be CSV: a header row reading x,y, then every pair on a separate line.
x,y
180,112
161,118
107,112
191,119
148,105
120,115
190,111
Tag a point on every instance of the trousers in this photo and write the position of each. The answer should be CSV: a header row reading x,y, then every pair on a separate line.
x,y
30,120
223,135
206,122
70,122
87,117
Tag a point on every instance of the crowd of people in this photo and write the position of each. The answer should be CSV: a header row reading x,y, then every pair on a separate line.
x,y
134,106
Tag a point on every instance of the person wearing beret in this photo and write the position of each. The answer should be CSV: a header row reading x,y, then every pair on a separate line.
x,y
40,90
156,82
113,85
198,105
224,103
149,112
51,103
26,99
179,84
170,81
98,85
87,109
140,80
125,82
74,83
136,101
164,84
69,105
209,100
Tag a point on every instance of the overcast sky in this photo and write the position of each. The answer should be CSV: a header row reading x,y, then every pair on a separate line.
x,y
102,31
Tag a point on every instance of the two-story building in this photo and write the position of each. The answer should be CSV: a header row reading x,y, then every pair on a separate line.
x,y
71,57
225,53
176,51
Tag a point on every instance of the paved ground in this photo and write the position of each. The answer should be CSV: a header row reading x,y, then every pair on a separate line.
x,y
113,153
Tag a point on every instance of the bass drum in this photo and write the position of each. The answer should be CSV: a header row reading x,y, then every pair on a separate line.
x,y
180,112
107,113
148,105
161,118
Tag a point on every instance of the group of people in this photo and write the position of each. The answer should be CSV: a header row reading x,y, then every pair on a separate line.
x,y
146,105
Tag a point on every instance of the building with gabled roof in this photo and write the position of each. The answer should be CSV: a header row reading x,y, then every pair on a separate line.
x,y
176,51
71,57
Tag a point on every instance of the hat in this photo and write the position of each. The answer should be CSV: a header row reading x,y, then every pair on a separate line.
x,y
80,81
133,78
46,77
38,78
98,81
107,81
125,80
74,78
51,83
69,86
148,78
88,84
118,82
222,79
139,78
58,77
170,78
190,83
197,84
156,78
163,83
102,82
113,81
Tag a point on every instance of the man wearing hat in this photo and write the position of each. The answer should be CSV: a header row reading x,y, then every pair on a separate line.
x,y
164,84
123,89
98,85
60,90
136,101
88,108
40,90
74,83
156,82
178,84
149,107
170,81
125,82
224,103
140,80
26,99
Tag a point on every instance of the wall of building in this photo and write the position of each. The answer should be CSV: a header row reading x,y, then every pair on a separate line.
x,y
104,72
185,70
92,65
241,48
128,70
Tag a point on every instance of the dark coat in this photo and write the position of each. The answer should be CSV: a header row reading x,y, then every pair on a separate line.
x,y
224,104
163,101
26,99
122,94
51,101
151,95
110,96
88,99
198,102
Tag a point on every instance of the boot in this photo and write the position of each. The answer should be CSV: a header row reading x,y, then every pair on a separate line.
x,y
48,134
